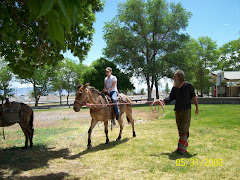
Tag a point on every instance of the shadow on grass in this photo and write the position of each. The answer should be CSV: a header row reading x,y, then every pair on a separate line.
x,y
175,155
51,176
99,148
17,159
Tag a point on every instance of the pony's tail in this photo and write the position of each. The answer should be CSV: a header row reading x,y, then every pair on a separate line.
x,y
31,120
128,119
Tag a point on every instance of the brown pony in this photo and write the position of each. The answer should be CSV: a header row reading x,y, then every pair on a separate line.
x,y
26,122
104,113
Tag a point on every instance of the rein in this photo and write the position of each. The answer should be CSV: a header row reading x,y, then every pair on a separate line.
x,y
87,104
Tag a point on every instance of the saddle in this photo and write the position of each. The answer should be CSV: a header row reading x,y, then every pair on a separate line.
x,y
120,97
10,115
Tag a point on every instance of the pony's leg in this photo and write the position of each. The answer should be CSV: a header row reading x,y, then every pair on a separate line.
x,y
31,131
26,133
106,131
129,116
93,123
120,121
28,128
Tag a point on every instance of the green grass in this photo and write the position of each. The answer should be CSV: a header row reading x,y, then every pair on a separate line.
x,y
60,151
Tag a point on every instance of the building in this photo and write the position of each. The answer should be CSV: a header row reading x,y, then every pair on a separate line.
x,y
230,86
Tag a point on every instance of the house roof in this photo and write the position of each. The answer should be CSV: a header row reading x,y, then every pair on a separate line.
x,y
229,75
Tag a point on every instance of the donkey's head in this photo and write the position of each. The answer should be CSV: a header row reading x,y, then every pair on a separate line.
x,y
81,97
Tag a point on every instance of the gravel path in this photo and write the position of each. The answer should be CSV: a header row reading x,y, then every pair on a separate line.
x,y
60,115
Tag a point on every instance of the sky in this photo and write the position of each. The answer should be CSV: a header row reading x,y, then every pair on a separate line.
x,y
218,19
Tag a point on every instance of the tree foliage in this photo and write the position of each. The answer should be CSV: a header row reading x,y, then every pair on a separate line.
x,y
5,78
57,81
197,60
95,75
64,15
144,34
29,30
41,82
67,75
230,56
167,90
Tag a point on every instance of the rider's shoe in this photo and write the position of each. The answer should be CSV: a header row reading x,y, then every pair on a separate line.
x,y
117,116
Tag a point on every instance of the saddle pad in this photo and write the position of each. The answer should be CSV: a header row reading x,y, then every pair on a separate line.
x,y
10,115
122,98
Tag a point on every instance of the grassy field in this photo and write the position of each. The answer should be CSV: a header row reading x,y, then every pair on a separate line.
x,y
60,148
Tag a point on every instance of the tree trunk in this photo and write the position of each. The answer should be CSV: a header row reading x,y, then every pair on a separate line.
x,y
149,89
201,91
67,100
60,96
35,94
157,92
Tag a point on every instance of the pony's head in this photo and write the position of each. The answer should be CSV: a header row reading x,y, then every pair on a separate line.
x,y
81,97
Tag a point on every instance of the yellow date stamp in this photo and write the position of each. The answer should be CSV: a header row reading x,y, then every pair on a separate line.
x,y
199,162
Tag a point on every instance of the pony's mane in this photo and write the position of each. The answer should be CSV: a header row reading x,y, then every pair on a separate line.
x,y
92,89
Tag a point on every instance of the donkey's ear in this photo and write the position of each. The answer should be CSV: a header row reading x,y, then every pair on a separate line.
x,y
86,85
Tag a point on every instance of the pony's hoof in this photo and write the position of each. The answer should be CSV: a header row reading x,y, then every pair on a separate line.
x,y
24,148
118,139
89,146
107,141
134,134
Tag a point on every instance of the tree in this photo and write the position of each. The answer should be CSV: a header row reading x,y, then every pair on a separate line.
x,y
96,73
57,80
41,82
142,91
5,78
67,75
197,60
72,72
142,34
167,90
29,30
230,58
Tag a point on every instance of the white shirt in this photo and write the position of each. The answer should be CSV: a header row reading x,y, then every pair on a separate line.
x,y
109,82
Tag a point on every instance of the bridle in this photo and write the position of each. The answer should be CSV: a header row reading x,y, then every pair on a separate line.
x,y
86,104
81,102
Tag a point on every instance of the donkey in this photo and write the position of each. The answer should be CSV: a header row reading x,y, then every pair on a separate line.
x,y
26,122
86,94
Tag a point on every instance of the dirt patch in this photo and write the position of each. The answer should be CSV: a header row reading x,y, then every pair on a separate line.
x,y
52,118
